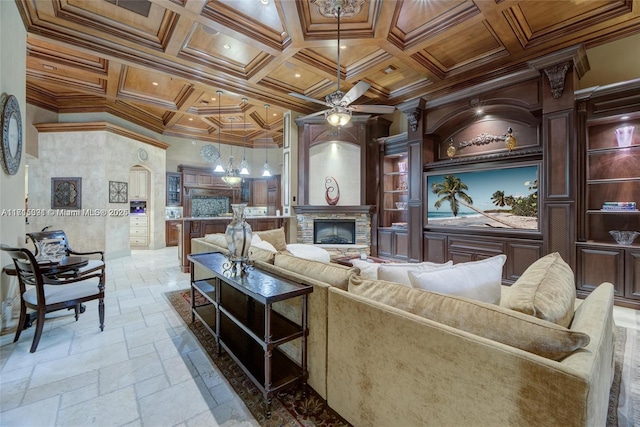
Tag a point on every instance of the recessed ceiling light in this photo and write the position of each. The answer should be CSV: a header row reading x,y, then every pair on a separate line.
x,y
154,83
190,119
624,118
210,31
265,2
479,111
343,47
297,75
226,46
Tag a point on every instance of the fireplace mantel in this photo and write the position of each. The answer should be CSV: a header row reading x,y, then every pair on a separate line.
x,y
306,210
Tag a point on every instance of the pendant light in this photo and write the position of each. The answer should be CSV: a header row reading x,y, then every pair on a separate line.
x,y
219,167
230,176
265,170
244,167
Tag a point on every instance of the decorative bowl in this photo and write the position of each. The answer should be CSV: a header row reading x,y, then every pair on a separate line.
x,y
624,237
401,205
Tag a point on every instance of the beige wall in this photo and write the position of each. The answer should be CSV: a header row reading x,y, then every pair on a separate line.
x,y
97,157
613,62
13,50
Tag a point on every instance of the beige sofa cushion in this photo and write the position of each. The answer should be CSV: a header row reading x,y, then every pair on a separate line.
x,y
218,239
545,290
276,237
397,272
332,274
480,280
490,321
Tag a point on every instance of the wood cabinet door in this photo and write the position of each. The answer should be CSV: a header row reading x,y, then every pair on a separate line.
x,y
400,245
259,192
600,264
632,267
385,245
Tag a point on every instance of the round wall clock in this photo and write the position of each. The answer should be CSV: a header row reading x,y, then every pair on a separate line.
x,y
142,154
11,123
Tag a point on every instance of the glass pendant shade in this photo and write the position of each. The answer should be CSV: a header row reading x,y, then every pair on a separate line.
x,y
338,116
219,167
244,167
265,170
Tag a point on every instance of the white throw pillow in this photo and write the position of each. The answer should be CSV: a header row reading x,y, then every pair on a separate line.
x,y
397,272
314,253
368,269
263,244
255,239
478,280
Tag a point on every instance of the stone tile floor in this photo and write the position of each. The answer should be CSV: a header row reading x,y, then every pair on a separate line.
x,y
145,369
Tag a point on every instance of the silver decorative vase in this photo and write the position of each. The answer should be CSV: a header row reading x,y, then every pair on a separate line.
x,y
238,235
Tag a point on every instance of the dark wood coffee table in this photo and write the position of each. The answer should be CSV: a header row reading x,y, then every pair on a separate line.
x,y
347,260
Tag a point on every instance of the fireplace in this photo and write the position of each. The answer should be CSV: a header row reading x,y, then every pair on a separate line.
x,y
334,231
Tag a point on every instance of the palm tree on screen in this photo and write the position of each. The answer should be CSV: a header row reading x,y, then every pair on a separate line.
x,y
452,190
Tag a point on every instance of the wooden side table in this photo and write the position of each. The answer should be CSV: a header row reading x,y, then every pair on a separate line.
x,y
238,313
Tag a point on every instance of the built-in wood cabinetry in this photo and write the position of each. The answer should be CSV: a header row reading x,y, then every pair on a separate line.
x,y
138,231
259,192
138,184
611,173
174,189
172,232
393,199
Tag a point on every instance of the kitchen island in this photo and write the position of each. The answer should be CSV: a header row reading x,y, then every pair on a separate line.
x,y
192,227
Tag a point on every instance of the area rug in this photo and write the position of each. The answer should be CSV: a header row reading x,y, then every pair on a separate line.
x,y
288,408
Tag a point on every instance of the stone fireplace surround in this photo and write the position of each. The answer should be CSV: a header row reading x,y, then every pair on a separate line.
x,y
305,216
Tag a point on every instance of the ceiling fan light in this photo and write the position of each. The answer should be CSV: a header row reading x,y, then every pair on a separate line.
x,y
338,116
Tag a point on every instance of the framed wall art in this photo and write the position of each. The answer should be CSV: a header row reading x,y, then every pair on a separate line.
x,y
66,193
118,192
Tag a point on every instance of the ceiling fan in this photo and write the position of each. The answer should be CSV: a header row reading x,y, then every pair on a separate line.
x,y
339,103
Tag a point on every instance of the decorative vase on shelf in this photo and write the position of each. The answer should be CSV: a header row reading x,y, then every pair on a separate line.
x,y
238,235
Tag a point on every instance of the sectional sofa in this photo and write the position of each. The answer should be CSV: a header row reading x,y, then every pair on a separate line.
x,y
383,353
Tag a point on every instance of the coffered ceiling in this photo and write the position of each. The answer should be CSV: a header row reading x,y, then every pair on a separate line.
x,y
160,63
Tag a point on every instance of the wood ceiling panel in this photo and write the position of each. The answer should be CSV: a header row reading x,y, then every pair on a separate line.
x,y
152,31
476,42
253,19
93,55
223,53
534,25
157,89
416,21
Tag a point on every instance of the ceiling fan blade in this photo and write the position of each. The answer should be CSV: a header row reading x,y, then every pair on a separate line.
x,y
312,115
356,92
306,98
373,109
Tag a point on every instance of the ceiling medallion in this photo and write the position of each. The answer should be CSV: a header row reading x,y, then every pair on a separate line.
x,y
329,8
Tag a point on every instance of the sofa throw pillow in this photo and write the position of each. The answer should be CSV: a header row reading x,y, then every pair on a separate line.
x,y
275,237
478,280
368,270
397,271
332,274
262,251
545,290
490,321
314,253
217,239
